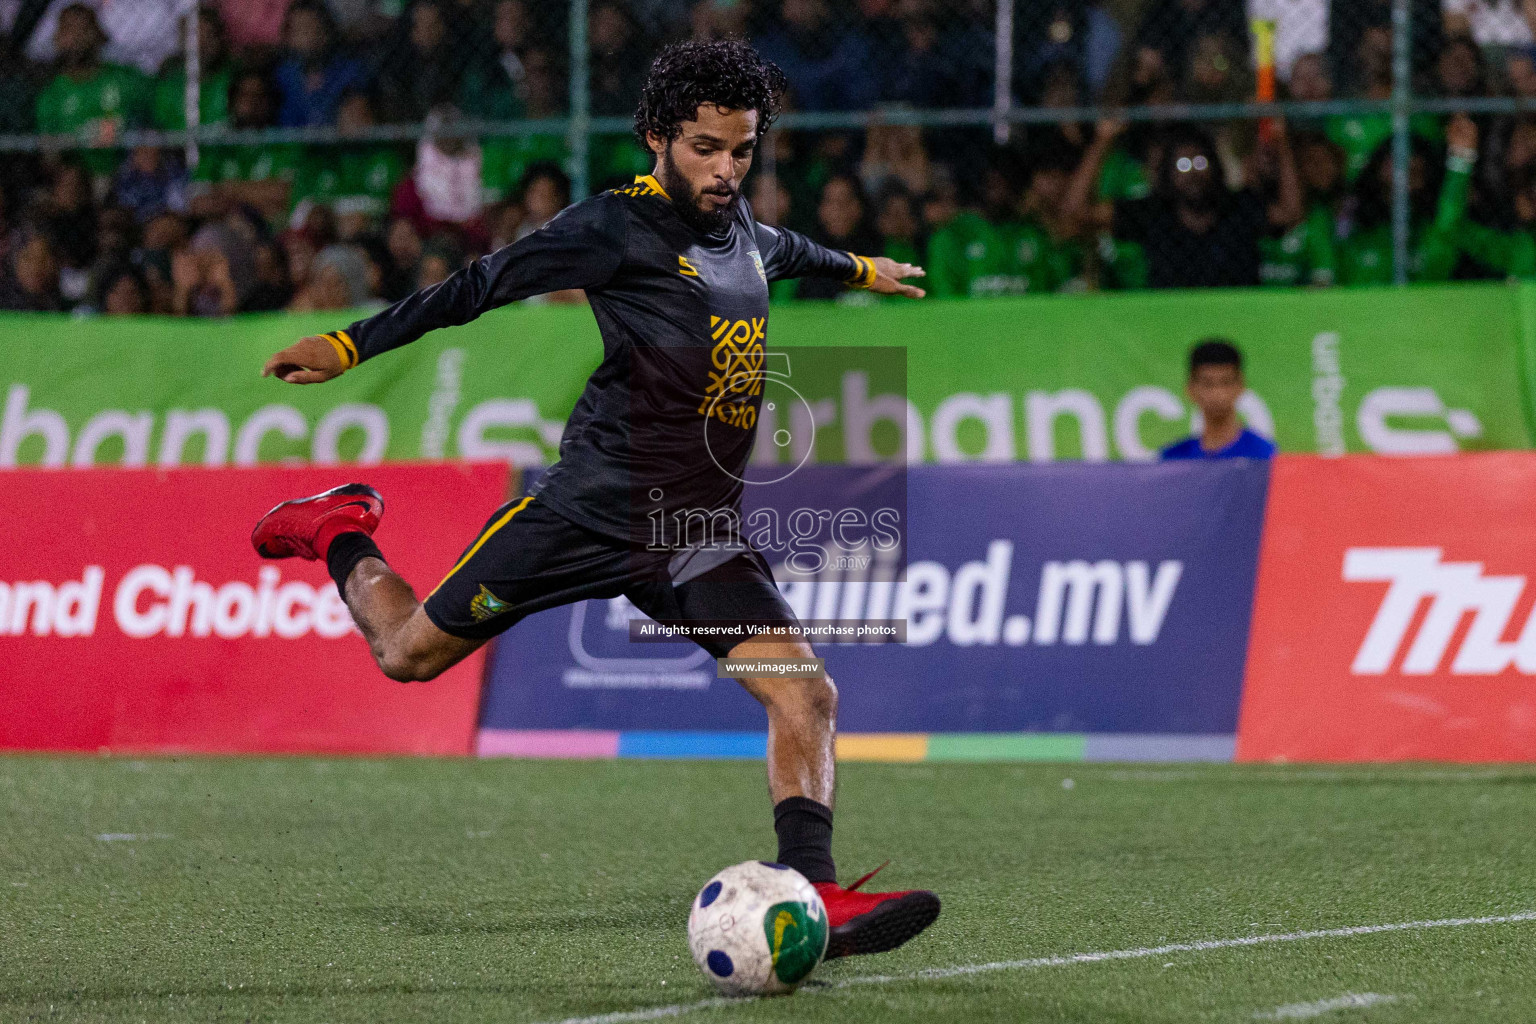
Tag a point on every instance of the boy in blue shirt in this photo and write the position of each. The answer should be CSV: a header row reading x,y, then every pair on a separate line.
x,y
1215,384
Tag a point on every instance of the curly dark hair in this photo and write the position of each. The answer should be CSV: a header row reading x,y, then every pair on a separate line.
x,y
726,72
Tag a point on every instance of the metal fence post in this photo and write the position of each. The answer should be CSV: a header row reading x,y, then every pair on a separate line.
x,y
193,93
1002,81
581,101
1402,74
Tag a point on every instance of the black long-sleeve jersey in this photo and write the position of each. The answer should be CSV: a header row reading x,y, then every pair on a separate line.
x,y
667,423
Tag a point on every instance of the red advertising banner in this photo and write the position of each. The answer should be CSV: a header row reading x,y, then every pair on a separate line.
x,y
1393,618
135,617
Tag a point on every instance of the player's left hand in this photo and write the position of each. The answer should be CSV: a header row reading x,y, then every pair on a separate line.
x,y
889,275
307,361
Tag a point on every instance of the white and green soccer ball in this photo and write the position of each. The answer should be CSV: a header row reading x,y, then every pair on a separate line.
x,y
757,929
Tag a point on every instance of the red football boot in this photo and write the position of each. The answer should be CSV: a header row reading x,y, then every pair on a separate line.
x,y
873,922
305,527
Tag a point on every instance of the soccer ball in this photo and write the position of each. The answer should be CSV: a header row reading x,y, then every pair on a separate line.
x,y
757,929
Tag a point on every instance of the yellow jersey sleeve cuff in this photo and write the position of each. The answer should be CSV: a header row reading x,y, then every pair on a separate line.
x,y
865,274
342,342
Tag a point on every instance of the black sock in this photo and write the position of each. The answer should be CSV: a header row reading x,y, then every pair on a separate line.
x,y
805,837
345,552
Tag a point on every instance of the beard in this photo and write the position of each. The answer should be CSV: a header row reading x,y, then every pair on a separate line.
x,y
688,201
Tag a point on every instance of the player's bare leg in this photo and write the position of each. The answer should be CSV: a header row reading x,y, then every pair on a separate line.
x,y
407,645
802,723
336,527
802,773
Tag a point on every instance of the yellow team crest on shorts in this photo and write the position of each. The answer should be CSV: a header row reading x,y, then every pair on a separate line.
x,y
487,605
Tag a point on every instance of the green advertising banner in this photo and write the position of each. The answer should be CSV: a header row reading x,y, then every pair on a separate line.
x,y
1422,370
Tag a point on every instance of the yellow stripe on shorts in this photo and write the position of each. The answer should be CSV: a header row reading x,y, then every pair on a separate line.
x,y
498,524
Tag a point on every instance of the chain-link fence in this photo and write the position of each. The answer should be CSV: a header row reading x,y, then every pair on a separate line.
x,y
257,154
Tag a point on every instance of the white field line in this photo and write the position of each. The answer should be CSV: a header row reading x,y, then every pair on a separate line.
x,y
1347,1001
1141,952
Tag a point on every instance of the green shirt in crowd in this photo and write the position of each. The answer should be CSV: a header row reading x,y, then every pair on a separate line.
x,y
1365,257
618,158
972,256
1509,252
1304,255
1360,135
96,110
248,163
349,179
1123,177
504,160
171,100
1122,265
902,252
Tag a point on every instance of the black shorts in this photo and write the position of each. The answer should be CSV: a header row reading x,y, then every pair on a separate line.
x,y
528,558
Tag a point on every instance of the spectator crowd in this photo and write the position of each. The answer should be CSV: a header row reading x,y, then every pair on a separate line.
x,y
1062,206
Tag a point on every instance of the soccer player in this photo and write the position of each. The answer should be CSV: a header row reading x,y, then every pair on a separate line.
x,y
677,273
1215,384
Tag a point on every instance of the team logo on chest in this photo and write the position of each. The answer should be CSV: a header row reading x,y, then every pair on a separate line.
x,y
757,261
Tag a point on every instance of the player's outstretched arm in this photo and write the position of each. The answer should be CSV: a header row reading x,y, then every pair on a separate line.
x,y
580,248
307,361
791,254
889,275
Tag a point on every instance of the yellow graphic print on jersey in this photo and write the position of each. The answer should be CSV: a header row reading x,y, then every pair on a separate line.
x,y
738,372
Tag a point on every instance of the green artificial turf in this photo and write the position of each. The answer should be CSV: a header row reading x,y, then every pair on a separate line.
x,y
495,891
